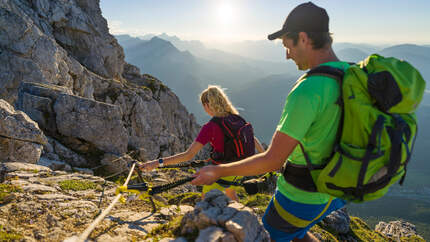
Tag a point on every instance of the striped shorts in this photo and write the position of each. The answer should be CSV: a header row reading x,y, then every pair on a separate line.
x,y
285,219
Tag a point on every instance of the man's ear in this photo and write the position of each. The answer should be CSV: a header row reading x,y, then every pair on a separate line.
x,y
303,38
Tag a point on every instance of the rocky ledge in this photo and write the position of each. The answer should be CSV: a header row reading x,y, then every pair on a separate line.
x,y
39,204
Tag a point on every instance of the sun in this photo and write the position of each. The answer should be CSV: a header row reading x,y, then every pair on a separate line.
x,y
225,13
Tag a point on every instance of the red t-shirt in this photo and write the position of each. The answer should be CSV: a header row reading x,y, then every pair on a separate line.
x,y
212,133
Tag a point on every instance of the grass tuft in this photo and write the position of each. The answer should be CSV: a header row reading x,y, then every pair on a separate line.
x,y
9,235
77,185
6,190
172,229
362,232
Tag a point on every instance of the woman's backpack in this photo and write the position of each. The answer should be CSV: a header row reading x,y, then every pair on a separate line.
x,y
238,139
377,130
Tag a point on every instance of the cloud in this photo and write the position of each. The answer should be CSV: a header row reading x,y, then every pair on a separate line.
x,y
117,27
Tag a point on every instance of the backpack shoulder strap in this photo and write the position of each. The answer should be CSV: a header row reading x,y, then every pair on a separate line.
x,y
328,71
220,122
240,117
216,120
337,74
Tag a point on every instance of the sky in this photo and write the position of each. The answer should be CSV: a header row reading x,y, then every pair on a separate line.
x,y
365,21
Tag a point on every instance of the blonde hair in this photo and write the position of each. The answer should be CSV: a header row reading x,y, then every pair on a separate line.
x,y
218,101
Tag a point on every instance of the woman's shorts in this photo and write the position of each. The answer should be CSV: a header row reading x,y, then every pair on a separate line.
x,y
285,219
207,188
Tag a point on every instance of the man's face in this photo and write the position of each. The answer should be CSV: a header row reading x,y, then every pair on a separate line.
x,y
295,52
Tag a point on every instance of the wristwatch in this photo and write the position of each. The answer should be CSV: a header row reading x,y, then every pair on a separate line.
x,y
160,162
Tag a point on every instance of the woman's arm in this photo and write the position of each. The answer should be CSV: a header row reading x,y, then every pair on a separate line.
x,y
189,154
258,145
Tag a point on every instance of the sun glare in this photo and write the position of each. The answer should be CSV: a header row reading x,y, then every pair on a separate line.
x,y
225,13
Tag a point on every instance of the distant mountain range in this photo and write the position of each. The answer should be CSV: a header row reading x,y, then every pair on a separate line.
x,y
188,74
187,67
272,51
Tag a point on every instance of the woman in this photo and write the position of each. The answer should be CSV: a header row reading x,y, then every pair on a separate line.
x,y
217,105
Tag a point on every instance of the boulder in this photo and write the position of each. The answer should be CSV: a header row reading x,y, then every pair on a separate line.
x,y
21,140
221,219
397,229
95,122
17,125
37,100
337,221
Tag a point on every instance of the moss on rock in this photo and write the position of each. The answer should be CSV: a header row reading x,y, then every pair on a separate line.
x,y
9,235
6,190
323,235
189,198
172,229
77,185
362,232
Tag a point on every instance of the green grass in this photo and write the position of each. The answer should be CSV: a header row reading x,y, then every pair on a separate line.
x,y
77,185
259,200
171,229
6,190
362,232
184,198
9,235
326,236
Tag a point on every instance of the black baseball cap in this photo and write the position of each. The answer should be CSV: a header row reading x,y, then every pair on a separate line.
x,y
307,17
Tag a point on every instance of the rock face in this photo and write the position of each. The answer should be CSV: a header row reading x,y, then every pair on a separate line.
x,y
44,41
60,65
20,137
220,219
397,229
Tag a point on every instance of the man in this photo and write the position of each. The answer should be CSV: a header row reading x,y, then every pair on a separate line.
x,y
310,118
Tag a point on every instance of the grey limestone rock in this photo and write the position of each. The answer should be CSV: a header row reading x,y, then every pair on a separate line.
x,y
338,221
54,52
217,220
21,140
96,122
12,150
116,163
66,154
396,229
54,164
213,233
16,166
83,170
17,125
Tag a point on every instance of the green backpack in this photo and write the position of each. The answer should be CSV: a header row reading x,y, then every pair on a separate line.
x,y
377,131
